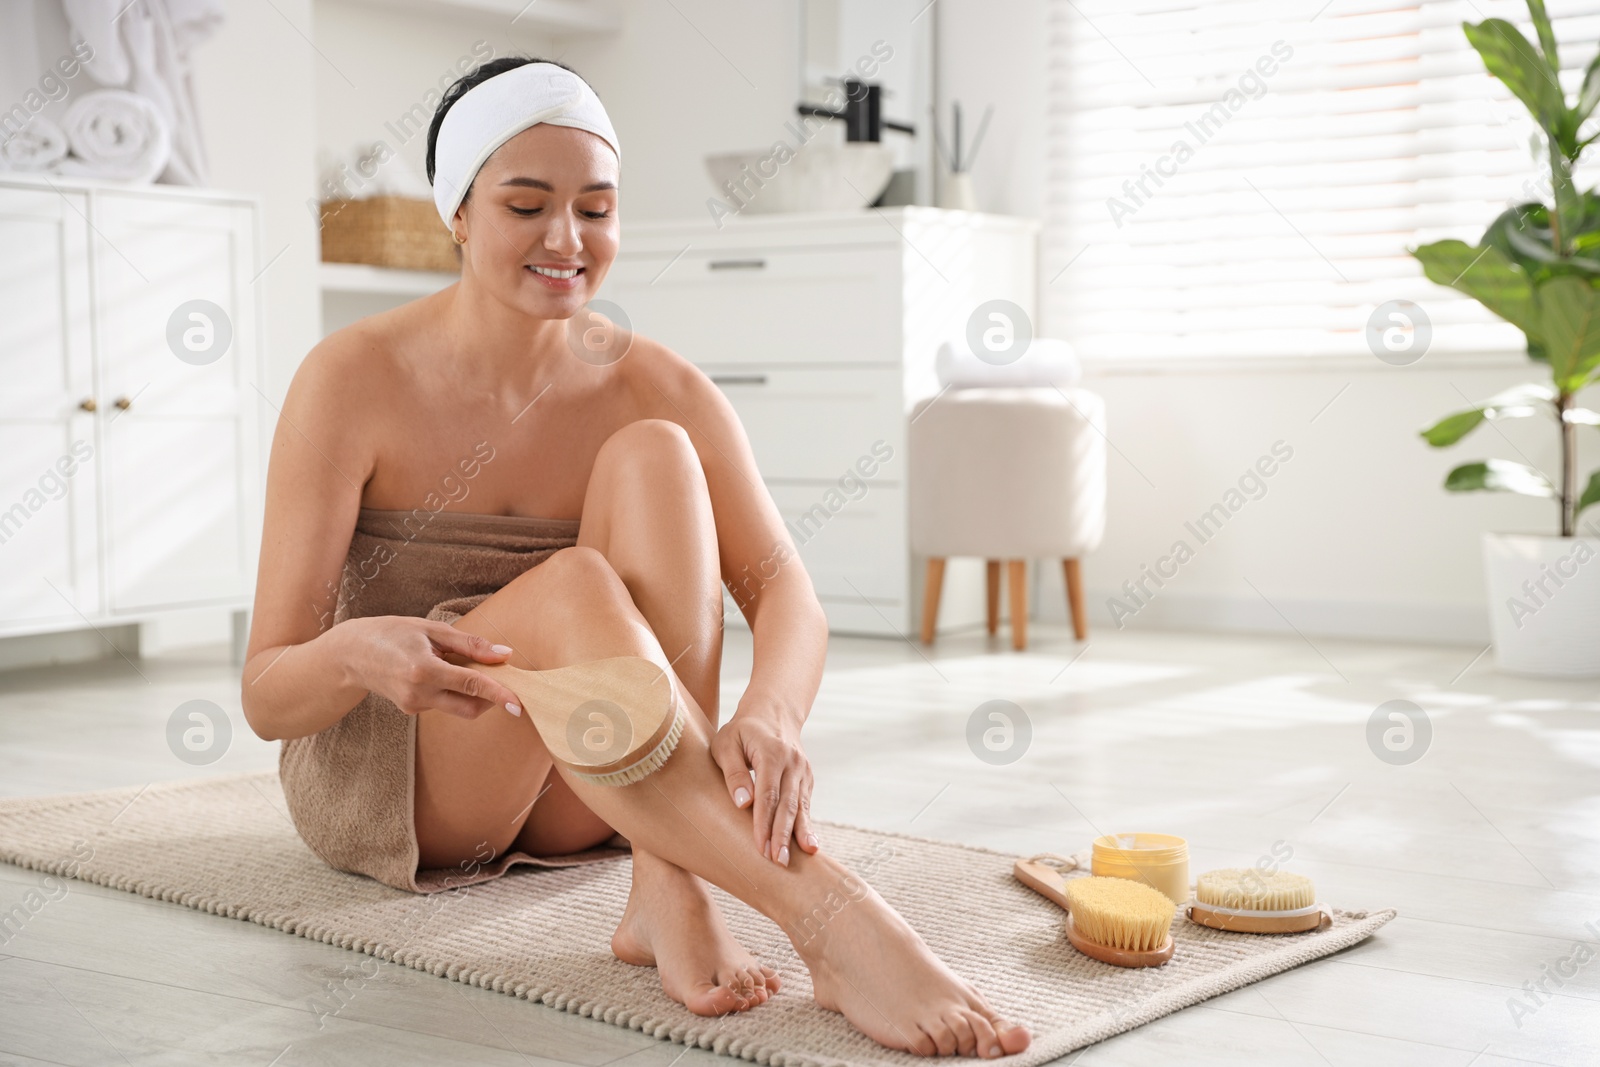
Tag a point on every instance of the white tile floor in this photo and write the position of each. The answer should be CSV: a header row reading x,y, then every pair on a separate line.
x,y
1487,846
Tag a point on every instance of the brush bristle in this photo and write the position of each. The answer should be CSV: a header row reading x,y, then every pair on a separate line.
x,y
1120,913
647,764
1253,890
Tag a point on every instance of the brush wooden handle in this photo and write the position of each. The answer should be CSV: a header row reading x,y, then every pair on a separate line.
x,y
596,717
1042,879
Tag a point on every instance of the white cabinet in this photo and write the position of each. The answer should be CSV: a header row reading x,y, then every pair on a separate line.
x,y
47,487
128,414
821,330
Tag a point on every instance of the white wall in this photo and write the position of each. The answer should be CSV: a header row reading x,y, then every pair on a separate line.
x,y
686,79
992,52
382,69
253,82
1354,535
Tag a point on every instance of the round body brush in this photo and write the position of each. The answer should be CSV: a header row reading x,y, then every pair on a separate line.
x,y
1120,922
609,721
1252,901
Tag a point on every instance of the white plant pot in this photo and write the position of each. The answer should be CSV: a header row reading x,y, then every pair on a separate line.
x,y
1544,604
955,192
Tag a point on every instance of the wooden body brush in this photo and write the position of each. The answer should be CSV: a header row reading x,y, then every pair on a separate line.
x,y
1253,901
1120,922
1113,920
609,721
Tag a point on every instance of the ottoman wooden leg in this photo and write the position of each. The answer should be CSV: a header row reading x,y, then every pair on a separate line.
x,y
992,588
1017,573
1080,621
930,598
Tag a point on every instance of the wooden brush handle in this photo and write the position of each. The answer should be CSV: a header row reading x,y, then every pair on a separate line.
x,y
1042,879
595,717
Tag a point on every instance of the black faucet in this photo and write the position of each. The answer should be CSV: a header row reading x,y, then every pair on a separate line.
x,y
862,115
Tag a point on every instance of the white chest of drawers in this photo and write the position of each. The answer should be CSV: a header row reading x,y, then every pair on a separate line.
x,y
822,331
128,414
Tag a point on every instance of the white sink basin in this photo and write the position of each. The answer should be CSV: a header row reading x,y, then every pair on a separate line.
x,y
820,177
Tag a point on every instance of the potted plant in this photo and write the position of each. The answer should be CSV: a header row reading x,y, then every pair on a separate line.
x,y
1537,267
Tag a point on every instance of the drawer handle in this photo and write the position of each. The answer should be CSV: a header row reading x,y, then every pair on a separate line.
x,y
738,379
737,264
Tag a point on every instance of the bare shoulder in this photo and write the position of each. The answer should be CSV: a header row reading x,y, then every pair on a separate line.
x,y
662,376
338,396
350,364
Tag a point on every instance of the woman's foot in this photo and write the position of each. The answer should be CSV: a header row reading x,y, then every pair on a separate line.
x,y
672,924
867,963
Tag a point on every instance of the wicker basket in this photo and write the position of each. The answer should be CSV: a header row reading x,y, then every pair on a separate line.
x,y
387,231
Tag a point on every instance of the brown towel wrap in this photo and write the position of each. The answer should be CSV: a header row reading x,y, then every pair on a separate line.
x,y
350,787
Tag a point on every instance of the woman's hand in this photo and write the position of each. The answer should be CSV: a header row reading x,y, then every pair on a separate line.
x,y
764,743
402,657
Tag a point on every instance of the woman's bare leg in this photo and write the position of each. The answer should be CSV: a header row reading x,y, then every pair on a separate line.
x,y
648,512
475,778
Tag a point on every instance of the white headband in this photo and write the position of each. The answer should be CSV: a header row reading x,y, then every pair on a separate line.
x,y
494,111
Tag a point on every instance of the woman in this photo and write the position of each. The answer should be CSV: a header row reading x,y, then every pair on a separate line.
x,y
612,491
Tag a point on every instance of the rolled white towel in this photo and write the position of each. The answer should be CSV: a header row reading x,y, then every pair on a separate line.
x,y
116,134
36,146
1046,361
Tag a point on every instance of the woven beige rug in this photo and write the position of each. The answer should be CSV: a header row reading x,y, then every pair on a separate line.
x,y
225,845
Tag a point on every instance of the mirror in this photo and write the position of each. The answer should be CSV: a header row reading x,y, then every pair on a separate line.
x,y
887,42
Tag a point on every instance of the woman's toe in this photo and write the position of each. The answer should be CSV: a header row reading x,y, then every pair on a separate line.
x,y
961,1026
712,999
751,981
984,1039
770,976
1013,1039
944,1039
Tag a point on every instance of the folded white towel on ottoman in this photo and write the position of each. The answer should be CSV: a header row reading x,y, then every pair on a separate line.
x,y
1046,361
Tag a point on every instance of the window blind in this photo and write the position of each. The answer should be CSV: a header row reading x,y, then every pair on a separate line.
x,y
1239,178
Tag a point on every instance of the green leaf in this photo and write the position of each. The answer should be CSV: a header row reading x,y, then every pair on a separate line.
x,y
1547,37
1523,234
1452,428
1509,57
1498,475
1569,317
1486,275
1591,494
1518,402
1589,95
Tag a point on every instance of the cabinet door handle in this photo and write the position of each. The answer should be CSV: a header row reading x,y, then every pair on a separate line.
x,y
122,403
738,379
88,404
737,264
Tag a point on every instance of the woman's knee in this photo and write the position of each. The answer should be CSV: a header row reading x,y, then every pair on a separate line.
x,y
656,446
580,575
580,600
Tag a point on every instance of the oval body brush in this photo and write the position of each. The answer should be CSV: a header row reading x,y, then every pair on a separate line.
x,y
1116,921
609,721
1253,901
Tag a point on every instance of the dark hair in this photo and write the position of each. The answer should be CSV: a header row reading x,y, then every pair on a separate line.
x,y
478,76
